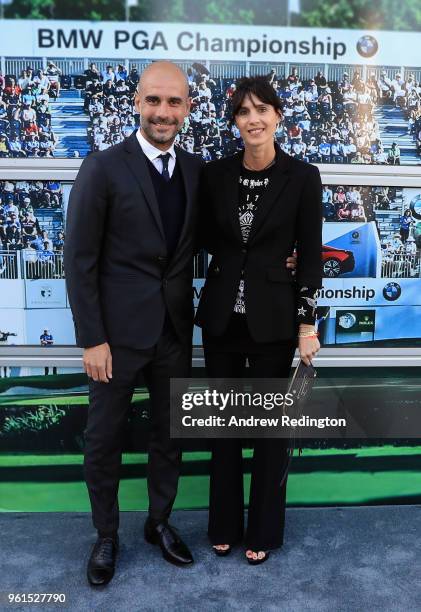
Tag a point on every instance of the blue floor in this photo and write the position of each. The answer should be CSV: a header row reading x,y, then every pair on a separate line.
x,y
333,559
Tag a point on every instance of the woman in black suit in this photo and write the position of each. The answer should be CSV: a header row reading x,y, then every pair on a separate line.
x,y
256,206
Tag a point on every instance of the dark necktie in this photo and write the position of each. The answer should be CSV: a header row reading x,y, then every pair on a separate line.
x,y
165,157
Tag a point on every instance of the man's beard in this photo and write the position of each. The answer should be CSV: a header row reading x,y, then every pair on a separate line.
x,y
148,128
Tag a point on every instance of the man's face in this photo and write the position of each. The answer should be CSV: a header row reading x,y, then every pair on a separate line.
x,y
163,103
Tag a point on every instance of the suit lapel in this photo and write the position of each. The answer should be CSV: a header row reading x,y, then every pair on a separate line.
x,y
138,166
278,181
230,192
189,186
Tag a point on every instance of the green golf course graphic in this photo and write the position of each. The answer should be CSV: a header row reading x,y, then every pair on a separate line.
x,y
42,419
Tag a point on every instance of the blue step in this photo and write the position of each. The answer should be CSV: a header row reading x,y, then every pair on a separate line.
x,y
70,94
72,111
70,125
71,143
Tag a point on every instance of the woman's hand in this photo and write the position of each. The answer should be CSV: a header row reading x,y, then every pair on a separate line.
x,y
291,263
308,347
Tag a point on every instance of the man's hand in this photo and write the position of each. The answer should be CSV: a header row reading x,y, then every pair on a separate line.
x,y
97,362
292,262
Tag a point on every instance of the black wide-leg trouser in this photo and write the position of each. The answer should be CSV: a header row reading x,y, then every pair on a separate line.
x,y
266,511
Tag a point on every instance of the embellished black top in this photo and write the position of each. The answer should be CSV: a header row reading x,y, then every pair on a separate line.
x,y
252,185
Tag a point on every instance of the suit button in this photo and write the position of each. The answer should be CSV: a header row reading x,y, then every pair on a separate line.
x,y
216,270
161,258
244,251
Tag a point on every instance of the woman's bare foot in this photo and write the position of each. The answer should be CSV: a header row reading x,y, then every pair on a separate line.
x,y
221,550
250,554
254,557
222,547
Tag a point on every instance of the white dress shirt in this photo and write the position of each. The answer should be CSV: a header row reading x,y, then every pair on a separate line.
x,y
152,153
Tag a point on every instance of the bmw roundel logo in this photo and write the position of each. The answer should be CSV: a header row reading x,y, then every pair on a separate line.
x,y
367,46
355,235
392,292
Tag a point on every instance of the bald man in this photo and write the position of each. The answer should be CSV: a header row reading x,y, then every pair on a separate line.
x,y
128,259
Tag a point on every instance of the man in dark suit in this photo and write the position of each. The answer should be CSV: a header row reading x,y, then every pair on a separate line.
x,y
129,267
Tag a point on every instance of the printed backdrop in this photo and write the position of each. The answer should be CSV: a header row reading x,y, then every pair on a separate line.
x,y
349,97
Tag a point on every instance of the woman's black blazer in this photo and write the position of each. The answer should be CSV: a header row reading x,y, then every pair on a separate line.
x,y
289,213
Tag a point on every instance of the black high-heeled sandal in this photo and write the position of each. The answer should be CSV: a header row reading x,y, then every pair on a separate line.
x,y
258,561
222,553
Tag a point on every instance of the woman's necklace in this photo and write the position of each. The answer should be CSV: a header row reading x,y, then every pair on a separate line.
x,y
248,167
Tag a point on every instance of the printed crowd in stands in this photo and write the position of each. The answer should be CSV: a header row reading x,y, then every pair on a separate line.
x,y
109,103
25,112
323,122
358,204
400,257
405,94
344,203
332,122
20,228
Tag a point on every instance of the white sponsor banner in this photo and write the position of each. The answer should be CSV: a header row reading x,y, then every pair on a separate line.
x,y
12,326
390,324
12,294
58,322
351,292
133,40
45,293
399,322
333,229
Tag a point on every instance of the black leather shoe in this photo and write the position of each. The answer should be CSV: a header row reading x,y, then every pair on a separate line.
x,y
101,563
172,546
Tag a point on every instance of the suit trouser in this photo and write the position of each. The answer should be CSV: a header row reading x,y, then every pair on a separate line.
x,y
266,513
109,406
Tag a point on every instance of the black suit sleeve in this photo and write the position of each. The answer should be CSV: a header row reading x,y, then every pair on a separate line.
x,y
307,305
309,232
85,222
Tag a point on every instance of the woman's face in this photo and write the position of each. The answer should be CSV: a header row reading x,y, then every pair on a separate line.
x,y
257,121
